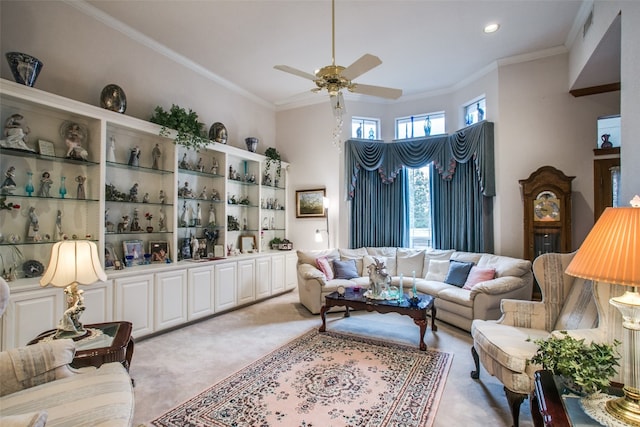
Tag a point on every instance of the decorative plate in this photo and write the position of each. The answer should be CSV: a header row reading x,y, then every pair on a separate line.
x,y
32,268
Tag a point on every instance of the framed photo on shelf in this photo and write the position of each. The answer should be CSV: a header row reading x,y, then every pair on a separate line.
x,y
310,203
110,256
135,248
247,243
159,251
46,148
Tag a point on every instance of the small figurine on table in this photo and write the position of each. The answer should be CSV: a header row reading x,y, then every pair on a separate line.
x,y
111,154
45,185
161,220
156,153
194,247
185,191
33,225
15,134
162,197
200,165
214,166
145,198
183,216
134,156
183,163
80,180
135,222
9,184
59,225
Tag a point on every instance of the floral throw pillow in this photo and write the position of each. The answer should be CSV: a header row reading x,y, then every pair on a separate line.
x,y
324,265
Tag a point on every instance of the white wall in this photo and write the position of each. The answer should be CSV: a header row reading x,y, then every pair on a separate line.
x,y
82,55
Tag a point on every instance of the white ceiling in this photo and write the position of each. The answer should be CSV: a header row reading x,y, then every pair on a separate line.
x,y
425,46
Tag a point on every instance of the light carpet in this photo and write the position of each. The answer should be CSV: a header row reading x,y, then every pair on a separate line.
x,y
324,379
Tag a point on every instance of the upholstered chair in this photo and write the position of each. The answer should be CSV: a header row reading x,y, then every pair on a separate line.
x,y
504,345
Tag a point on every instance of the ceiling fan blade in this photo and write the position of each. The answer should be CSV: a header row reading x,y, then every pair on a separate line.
x,y
361,66
382,92
295,72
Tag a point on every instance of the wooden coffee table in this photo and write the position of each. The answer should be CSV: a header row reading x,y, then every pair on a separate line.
x,y
355,299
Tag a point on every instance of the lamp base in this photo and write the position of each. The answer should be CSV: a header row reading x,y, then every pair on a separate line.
x,y
626,408
69,325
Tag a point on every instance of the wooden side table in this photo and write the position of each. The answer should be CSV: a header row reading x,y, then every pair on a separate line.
x,y
112,343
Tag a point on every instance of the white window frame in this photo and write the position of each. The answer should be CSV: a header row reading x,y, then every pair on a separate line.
x,y
363,120
466,105
417,119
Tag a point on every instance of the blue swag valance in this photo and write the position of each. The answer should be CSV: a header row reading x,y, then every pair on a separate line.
x,y
474,142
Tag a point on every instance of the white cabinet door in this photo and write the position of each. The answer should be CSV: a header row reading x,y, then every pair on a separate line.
x,y
30,313
246,281
277,274
134,302
291,270
263,277
171,299
225,286
200,292
98,300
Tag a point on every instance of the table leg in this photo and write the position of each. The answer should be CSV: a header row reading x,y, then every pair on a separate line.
x,y
433,318
346,313
422,323
323,316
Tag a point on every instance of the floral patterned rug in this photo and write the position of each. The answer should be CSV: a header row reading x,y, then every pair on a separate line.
x,y
324,379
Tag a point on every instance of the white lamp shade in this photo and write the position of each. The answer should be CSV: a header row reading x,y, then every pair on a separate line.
x,y
73,261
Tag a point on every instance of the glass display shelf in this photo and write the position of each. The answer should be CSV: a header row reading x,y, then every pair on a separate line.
x,y
125,233
272,209
65,199
273,229
34,155
187,199
236,181
272,187
242,205
125,202
198,173
6,242
140,168
217,227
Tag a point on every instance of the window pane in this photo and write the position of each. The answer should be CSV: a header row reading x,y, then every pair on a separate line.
x,y
475,112
362,128
419,208
420,126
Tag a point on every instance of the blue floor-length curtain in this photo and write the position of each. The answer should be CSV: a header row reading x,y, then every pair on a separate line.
x,y
462,188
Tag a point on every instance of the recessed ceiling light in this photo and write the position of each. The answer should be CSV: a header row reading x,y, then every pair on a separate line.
x,y
491,28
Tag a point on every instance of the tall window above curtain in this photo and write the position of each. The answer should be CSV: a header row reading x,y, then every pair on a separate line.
x,y
420,125
365,128
475,111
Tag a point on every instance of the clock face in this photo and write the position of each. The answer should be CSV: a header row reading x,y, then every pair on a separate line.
x,y
341,290
546,207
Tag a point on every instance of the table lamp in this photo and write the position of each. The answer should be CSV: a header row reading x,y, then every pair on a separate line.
x,y
73,263
611,254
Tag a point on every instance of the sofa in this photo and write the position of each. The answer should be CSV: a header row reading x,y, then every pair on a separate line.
x,y
38,386
466,285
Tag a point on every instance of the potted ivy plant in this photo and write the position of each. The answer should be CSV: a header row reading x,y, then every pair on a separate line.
x,y
273,157
275,243
583,368
185,123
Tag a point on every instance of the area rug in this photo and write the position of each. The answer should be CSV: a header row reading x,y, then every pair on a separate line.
x,y
323,380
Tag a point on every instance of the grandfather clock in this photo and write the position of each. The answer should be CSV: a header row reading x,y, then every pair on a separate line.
x,y
547,212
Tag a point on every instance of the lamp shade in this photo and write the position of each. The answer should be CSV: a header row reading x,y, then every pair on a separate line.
x,y
611,251
73,261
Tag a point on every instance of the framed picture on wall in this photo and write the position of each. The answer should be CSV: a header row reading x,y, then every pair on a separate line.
x,y
310,203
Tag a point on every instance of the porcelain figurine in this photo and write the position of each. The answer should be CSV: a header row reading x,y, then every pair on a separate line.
x,y
75,136
155,154
9,184
15,134
45,185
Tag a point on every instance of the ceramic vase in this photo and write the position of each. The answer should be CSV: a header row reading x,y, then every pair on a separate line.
x,y
252,144
25,68
113,98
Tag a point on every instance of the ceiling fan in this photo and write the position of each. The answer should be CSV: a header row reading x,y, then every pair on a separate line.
x,y
334,77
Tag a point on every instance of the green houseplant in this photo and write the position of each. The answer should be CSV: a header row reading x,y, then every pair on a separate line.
x,y
190,132
273,157
584,368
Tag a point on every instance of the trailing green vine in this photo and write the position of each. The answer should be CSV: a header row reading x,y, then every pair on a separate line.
x,y
186,124
273,157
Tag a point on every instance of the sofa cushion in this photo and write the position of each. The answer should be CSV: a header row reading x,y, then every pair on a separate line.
x,y
387,251
356,254
458,272
458,296
310,256
438,269
435,254
324,265
345,269
504,265
29,366
408,261
479,275
579,309
389,263
431,287
473,257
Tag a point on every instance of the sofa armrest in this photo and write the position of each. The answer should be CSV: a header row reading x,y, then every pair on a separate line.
x,y
498,285
307,271
523,314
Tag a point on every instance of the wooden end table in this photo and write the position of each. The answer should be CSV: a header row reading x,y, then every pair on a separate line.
x,y
112,343
355,299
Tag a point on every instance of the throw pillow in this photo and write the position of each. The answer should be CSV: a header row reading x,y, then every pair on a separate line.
x,y
437,270
479,275
324,265
458,273
345,269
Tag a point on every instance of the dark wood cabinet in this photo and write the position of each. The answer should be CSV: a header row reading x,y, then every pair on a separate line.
x,y
606,160
546,195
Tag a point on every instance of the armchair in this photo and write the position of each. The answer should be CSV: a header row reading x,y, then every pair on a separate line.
x,y
503,346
